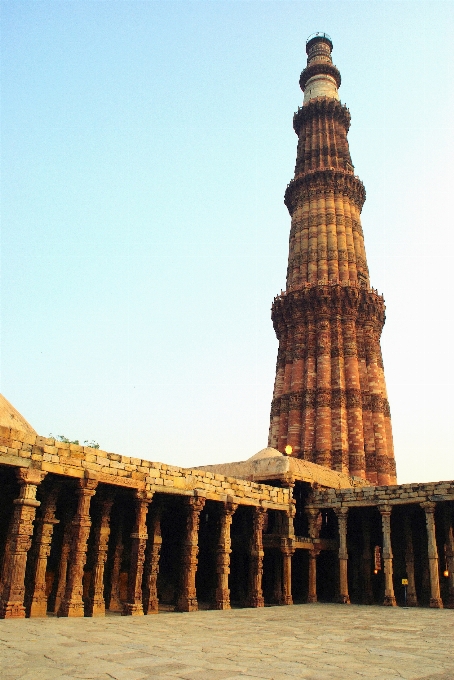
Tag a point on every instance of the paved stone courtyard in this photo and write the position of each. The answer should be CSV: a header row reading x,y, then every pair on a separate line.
x,y
314,642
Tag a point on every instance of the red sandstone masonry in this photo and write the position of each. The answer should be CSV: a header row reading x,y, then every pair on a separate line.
x,y
329,403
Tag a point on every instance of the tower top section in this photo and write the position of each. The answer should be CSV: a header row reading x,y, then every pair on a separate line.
x,y
320,78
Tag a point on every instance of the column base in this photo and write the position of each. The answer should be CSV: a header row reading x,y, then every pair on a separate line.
x,y
38,608
222,600
96,609
389,601
153,607
286,600
132,609
12,610
412,600
255,601
115,605
222,604
311,599
436,603
71,609
187,604
343,599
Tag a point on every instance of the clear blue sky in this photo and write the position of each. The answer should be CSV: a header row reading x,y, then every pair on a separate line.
x,y
146,147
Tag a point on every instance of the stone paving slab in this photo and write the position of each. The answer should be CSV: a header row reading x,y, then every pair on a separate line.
x,y
303,642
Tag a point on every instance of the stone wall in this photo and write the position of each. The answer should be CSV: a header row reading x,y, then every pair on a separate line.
x,y
401,494
22,449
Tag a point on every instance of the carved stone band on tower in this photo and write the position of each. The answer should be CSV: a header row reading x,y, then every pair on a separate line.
x,y
330,402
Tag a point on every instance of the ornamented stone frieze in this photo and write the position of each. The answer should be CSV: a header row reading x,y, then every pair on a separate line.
x,y
332,300
324,181
321,106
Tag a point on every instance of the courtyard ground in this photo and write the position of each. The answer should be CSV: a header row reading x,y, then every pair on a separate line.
x,y
311,641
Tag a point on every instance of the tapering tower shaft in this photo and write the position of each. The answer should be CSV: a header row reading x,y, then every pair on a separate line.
x,y
330,402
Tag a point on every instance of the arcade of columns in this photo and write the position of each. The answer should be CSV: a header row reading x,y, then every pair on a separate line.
x,y
84,530
66,574
330,402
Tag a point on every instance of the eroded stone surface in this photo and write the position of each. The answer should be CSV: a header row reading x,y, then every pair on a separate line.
x,y
314,642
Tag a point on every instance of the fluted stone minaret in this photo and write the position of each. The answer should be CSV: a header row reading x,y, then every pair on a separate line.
x,y
330,402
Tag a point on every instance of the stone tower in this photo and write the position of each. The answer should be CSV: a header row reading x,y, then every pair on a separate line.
x,y
330,403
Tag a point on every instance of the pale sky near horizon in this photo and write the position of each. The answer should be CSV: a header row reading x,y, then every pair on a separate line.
x,y
146,147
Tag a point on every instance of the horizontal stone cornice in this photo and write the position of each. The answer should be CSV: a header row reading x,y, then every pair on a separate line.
x,y
321,106
322,182
330,301
321,68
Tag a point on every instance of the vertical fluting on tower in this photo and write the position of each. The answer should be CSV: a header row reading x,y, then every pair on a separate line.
x,y
330,402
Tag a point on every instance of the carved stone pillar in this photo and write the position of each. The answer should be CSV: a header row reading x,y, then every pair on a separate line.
x,y
223,556
277,597
72,603
368,594
37,602
187,601
18,544
449,539
151,603
287,551
412,600
134,607
96,605
63,562
312,589
115,604
342,515
435,599
314,522
255,593
385,512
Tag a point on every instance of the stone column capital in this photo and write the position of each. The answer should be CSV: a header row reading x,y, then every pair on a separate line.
x,y
228,508
385,510
195,503
87,486
143,495
288,482
30,476
428,507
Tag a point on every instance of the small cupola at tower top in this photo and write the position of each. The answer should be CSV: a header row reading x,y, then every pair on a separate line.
x,y
320,78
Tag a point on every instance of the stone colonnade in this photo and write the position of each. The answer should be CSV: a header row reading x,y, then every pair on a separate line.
x,y
437,566
91,549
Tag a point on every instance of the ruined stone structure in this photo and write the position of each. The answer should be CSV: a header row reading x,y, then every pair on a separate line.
x,y
330,403
84,531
